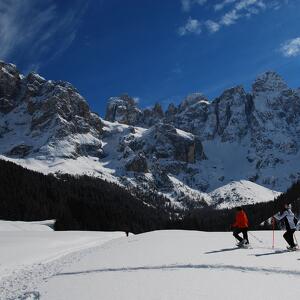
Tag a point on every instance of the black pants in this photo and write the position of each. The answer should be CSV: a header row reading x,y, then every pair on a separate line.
x,y
237,231
289,237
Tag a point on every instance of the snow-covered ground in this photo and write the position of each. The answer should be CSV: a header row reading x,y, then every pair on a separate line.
x,y
46,225
31,252
155,265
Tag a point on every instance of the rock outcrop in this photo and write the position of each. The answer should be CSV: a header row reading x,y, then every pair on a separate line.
x,y
124,110
49,118
137,163
164,141
10,85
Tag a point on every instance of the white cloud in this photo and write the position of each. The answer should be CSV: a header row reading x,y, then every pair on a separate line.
x,y
230,18
291,48
221,5
245,4
241,9
212,26
228,12
191,26
187,4
32,29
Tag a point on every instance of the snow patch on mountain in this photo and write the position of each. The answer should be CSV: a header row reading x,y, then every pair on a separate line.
x,y
238,193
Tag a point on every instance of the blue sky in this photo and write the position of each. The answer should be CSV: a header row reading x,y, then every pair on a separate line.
x,y
157,51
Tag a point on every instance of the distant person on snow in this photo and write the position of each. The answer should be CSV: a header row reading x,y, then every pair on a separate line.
x,y
126,230
241,226
290,222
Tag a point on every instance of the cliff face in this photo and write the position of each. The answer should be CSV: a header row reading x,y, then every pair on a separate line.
x,y
45,118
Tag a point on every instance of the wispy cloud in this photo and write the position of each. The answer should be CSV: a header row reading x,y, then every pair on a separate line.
x,y
244,8
221,5
191,26
212,26
291,48
230,18
229,12
187,4
33,29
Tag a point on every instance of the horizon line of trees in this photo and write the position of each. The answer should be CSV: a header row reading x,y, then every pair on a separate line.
x,y
76,202
88,203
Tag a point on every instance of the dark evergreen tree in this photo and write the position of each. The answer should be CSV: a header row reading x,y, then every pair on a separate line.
x,y
76,202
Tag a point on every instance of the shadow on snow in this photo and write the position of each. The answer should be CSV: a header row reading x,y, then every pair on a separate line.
x,y
222,250
185,266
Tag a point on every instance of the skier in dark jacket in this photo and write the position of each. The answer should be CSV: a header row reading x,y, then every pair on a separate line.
x,y
241,226
290,222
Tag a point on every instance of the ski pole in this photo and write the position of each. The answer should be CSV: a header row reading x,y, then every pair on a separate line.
x,y
273,240
255,237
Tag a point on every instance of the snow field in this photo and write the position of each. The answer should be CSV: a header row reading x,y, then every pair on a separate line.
x,y
161,265
179,265
28,257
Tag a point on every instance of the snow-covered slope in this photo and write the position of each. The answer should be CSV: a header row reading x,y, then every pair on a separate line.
x,y
171,265
241,193
27,226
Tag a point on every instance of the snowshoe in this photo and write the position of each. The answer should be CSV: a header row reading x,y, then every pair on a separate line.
x,y
289,248
243,245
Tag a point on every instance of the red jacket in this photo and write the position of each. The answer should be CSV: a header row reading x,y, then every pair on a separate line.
x,y
241,220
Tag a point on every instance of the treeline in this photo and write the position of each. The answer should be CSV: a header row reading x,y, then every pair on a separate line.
x,y
87,203
77,202
209,219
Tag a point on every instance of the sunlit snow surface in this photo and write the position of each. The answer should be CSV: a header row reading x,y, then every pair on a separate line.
x,y
31,252
155,265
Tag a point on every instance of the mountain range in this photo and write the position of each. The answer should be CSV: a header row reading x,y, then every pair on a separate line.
x,y
240,148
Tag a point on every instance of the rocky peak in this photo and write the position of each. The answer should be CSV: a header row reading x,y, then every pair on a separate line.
x,y
172,109
231,110
123,109
190,115
192,99
235,95
153,115
268,82
9,69
158,111
33,77
52,113
171,113
9,86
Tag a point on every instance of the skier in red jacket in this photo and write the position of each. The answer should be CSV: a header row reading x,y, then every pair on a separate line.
x,y
241,226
